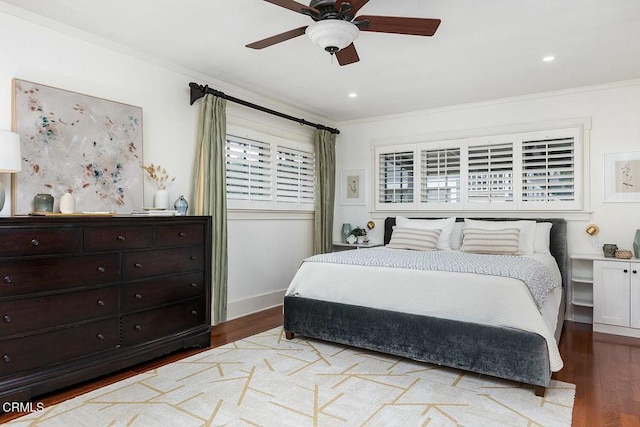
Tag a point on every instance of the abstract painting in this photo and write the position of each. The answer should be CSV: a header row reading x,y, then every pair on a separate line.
x,y
70,142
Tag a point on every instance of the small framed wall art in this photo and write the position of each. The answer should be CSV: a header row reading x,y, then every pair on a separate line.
x,y
622,177
353,187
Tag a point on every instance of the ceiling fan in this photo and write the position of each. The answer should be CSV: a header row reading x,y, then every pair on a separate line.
x,y
336,26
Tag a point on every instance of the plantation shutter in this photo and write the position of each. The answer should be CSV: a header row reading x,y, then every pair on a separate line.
x,y
248,169
295,175
440,170
490,176
548,170
395,177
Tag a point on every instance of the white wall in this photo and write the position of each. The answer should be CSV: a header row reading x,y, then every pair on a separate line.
x,y
48,56
614,111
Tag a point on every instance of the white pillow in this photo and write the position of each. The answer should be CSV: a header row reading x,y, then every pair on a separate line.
x,y
503,241
445,224
417,239
527,229
541,238
456,235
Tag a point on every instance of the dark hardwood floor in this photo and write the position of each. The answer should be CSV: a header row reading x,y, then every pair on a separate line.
x,y
604,368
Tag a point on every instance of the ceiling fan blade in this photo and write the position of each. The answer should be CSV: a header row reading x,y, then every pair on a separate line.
x,y
348,55
293,5
356,5
270,41
398,25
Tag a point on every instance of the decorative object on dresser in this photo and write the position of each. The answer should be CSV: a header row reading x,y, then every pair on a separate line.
x,y
67,203
181,206
42,203
623,254
10,161
85,296
68,138
161,178
346,231
609,250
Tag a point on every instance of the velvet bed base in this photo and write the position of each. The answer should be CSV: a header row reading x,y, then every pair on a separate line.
x,y
501,352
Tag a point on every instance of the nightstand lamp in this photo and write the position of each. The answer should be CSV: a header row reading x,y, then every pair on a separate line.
x,y
10,160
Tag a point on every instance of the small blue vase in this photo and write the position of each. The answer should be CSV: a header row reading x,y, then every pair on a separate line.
x,y
636,244
346,231
181,206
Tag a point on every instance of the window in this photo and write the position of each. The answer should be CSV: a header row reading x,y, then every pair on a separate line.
x,y
271,173
396,177
520,171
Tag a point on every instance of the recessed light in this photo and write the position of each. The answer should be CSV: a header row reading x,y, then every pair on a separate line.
x,y
548,58
353,95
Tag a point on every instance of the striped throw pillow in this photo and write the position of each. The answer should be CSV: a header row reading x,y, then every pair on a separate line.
x,y
499,242
414,238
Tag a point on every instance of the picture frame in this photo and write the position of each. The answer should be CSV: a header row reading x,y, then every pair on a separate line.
x,y
622,177
353,187
80,144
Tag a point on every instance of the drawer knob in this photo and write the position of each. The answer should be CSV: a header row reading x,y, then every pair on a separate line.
x,y
194,312
7,279
100,303
102,269
635,271
6,358
137,327
7,318
193,285
137,265
193,257
625,270
182,234
35,242
100,336
122,238
138,296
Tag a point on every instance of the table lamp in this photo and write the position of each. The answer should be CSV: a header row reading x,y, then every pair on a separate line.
x,y
10,160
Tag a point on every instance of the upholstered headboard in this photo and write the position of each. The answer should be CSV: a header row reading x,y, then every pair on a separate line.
x,y
557,246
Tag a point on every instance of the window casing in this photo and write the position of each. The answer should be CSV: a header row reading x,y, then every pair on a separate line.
x,y
538,170
270,174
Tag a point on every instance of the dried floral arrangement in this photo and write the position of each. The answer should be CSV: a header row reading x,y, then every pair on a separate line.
x,y
159,175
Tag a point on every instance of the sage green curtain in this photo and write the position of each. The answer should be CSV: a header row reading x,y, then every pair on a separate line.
x,y
325,150
209,192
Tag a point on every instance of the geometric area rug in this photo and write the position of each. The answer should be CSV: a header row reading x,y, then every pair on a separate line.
x,y
266,380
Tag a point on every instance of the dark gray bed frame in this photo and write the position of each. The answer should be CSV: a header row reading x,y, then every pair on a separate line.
x,y
501,352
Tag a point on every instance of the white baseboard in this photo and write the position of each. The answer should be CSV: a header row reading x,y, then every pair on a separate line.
x,y
254,304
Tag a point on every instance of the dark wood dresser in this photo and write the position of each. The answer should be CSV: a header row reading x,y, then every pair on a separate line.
x,y
84,296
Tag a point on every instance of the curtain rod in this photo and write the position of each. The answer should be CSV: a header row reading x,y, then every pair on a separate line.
x,y
198,91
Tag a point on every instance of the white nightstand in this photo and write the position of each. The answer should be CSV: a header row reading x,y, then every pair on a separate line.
x,y
339,246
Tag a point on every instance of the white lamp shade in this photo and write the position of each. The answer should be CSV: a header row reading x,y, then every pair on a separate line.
x,y
332,33
10,159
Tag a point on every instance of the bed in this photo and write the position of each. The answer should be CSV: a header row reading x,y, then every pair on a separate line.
x,y
522,348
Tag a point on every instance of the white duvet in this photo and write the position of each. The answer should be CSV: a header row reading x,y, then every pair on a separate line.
x,y
468,297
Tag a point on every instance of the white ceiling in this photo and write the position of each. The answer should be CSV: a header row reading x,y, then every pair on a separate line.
x,y
483,50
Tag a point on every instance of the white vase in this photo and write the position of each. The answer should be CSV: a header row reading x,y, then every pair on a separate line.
x,y
161,199
67,203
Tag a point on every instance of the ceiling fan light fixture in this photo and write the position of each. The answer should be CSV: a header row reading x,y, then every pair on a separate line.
x,y
332,34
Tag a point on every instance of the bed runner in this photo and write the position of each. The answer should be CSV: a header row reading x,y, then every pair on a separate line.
x,y
533,273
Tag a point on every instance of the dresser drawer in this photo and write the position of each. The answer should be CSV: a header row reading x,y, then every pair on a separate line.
x,y
115,238
31,314
150,293
31,275
143,264
40,241
42,350
179,234
161,322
